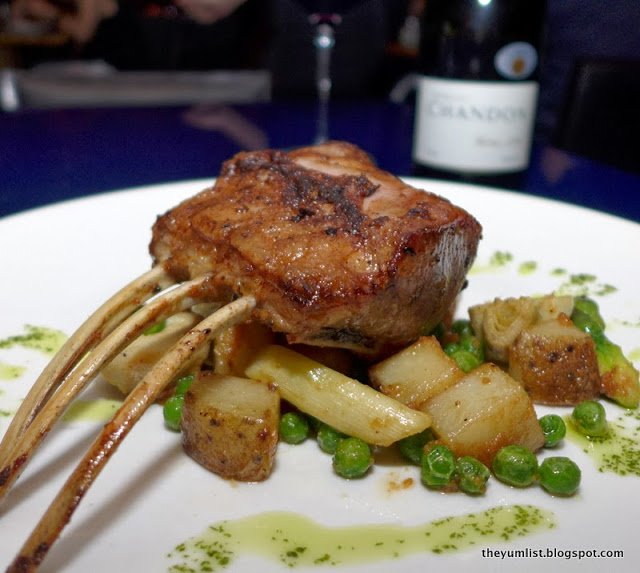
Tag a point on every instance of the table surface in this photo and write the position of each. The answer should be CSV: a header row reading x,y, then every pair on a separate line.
x,y
51,155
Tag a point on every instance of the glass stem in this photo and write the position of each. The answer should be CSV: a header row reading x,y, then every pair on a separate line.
x,y
323,41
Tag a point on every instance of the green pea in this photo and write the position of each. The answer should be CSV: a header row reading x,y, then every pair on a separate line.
x,y
468,340
465,359
553,428
328,438
515,465
352,458
182,385
590,418
172,412
473,345
155,328
412,447
559,475
472,475
462,327
451,348
467,352
437,467
293,428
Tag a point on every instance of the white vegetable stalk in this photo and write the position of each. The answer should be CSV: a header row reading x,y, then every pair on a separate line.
x,y
337,400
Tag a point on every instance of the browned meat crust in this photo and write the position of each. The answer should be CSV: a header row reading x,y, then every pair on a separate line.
x,y
336,251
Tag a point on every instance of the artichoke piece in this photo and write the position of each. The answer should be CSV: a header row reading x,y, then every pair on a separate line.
x,y
499,323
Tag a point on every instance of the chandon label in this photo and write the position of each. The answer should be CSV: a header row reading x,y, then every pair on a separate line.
x,y
476,127
472,112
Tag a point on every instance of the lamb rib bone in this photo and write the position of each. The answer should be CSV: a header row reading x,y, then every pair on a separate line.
x,y
169,302
141,397
90,333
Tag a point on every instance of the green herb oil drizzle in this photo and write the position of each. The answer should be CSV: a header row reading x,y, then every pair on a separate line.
x,y
619,451
584,284
295,540
574,284
100,410
45,340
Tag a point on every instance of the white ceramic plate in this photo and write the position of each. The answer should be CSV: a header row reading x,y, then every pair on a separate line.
x,y
58,263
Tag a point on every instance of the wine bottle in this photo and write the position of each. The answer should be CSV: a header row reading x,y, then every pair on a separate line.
x,y
477,89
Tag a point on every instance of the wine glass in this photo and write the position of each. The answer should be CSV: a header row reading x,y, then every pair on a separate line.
x,y
323,42
324,16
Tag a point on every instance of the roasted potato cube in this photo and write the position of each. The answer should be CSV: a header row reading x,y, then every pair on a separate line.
x,y
129,367
230,426
483,412
416,373
556,363
234,347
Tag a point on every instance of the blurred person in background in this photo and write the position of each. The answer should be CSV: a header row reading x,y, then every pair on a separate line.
x,y
228,34
154,35
275,34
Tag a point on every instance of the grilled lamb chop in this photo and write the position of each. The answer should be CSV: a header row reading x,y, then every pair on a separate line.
x,y
317,243
336,251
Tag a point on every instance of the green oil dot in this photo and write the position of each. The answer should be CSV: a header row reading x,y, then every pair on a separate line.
x,y
11,371
499,260
528,268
